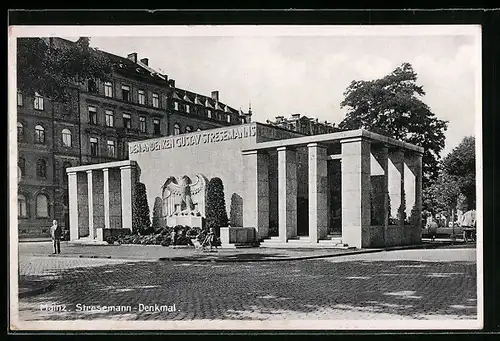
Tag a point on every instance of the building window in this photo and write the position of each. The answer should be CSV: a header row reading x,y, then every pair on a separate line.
x,y
127,121
22,205
92,86
94,147
142,97
38,103
177,129
209,113
108,89
176,105
41,168
111,148
22,166
142,124
188,129
20,132
42,206
19,98
156,100
66,137
66,165
126,93
39,134
156,127
187,108
92,115
228,118
109,118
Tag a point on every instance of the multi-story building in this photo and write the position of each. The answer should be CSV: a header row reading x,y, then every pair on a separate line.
x,y
304,125
95,126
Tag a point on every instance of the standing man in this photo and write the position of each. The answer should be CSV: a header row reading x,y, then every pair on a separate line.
x,y
55,232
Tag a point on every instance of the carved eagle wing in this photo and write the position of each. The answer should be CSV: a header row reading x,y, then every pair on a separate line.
x,y
171,187
198,184
171,196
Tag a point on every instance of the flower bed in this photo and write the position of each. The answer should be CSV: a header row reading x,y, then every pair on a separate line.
x,y
163,236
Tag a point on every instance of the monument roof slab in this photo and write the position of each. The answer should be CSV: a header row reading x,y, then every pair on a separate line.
x,y
337,137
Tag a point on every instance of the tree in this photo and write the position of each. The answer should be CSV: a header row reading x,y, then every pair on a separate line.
x,y
53,69
392,106
141,222
215,211
461,163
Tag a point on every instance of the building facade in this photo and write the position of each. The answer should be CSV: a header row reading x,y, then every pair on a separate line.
x,y
96,125
304,125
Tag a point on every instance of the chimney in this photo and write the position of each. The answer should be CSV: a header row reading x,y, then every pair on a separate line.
x,y
144,61
132,56
171,83
215,95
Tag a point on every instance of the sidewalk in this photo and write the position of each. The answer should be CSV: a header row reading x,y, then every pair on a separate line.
x,y
162,253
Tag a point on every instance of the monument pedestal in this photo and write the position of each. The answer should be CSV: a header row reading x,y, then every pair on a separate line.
x,y
234,237
185,220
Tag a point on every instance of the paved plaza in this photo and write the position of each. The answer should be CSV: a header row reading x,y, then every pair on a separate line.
x,y
406,284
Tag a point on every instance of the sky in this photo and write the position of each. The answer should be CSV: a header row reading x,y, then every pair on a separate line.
x,y
282,75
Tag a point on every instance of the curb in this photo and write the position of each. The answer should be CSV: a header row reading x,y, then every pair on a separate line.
x,y
216,260
37,291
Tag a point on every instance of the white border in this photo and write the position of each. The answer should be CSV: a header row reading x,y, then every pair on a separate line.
x,y
255,30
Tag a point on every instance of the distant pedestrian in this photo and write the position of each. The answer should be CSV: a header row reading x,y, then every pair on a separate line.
x,y
173,237
55,233
211,239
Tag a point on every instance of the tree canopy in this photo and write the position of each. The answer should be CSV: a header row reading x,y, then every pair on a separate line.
x,y
461,164
456,185
392,106
53,69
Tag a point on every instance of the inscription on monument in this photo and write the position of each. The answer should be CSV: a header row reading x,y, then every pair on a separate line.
x,y
193,139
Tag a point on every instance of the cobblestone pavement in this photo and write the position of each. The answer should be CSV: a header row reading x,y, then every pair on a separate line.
x,y
412,284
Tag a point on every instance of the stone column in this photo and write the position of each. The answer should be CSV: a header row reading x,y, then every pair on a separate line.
x,y
105,173
287,193
256,205
91,204
396,184
379,198
356,192
73,206
318,188
379,184
127,188
418,189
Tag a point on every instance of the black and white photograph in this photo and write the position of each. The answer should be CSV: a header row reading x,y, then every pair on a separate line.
x,y
245,177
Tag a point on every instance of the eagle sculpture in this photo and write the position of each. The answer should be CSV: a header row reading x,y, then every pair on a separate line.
x,y
183,196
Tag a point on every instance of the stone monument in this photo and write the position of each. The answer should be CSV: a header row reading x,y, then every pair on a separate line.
x,y
184,200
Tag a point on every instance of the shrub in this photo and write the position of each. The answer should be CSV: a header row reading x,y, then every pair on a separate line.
x,y
192,232
157,215
216,215
111,239
141,222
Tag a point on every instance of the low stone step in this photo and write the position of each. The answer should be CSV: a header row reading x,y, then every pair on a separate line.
x,y
326,241
296,244
299,240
